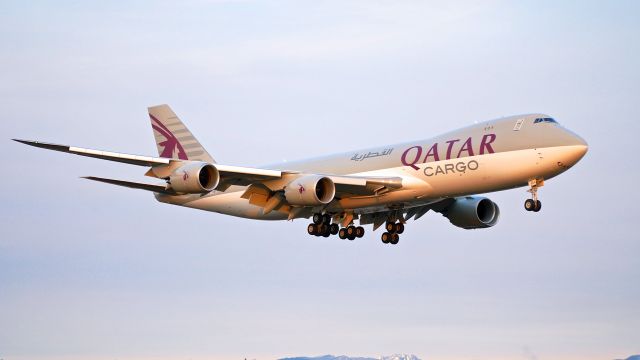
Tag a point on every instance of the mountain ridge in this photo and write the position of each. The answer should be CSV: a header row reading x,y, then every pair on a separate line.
x,y
344,357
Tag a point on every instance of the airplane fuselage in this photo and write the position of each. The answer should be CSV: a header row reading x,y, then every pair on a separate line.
x,y
485,157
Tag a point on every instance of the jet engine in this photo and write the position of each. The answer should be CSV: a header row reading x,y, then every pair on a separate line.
x,y
472,212
194,178
310,190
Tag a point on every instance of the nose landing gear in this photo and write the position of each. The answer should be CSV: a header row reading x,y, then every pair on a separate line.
x,y
534,204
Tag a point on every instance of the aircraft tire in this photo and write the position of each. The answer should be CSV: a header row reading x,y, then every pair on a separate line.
x,y
391,227
386,237
399,228
311,229
317,218
529,205
334,228
342,234
538,206
394,239
351,230
359,231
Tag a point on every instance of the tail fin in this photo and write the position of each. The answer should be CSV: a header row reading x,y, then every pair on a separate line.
x,y
173,138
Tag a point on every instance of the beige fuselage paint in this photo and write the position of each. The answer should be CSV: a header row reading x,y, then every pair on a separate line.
x,y
485,157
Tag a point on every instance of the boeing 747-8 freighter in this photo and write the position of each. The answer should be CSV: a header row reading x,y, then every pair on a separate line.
x,y
384,185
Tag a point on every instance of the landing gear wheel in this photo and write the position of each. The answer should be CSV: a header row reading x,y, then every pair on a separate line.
x,y
529,205
538,206
351,230
317,218
359,231
386,237
351,237
334,228
326,218
394,239
342,234
326,233
399,228
534,204
391,227
311,229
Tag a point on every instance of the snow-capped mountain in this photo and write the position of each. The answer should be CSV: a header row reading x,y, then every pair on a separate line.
x,y
328,357
344,357
400,357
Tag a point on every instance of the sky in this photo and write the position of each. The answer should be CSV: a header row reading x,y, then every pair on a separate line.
x,y
93,271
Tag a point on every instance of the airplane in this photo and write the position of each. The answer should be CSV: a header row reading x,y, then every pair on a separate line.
x,y
387,185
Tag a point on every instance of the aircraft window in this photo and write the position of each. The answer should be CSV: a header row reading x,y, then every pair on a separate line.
x,y
547,120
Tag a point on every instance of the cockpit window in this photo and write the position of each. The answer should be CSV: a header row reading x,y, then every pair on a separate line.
x,y
545,120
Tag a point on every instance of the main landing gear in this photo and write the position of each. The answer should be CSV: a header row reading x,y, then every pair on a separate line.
x,y
351,232
392,235
534,204
322,226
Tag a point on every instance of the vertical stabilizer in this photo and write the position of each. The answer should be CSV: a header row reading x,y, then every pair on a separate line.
x,y
173,139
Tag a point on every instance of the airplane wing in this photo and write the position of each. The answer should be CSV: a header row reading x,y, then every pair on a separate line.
x,y
105,155
233,175
346,186
162,189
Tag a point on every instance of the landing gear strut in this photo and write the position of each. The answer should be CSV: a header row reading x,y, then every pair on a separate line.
x,y
534,204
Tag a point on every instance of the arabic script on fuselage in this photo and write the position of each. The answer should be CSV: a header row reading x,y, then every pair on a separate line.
x,y
371,154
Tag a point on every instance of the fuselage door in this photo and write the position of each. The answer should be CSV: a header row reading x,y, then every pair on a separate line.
x,y
518,125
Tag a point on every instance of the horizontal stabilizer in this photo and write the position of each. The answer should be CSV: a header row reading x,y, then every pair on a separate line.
x,y
134,185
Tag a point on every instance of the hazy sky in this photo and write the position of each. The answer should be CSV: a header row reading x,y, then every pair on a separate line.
x,y
93,271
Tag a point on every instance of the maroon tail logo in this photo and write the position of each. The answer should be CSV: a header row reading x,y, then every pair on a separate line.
x,y
171,143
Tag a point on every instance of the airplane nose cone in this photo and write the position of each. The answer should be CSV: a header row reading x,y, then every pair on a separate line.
x,y
581,141
579,152
575,151
582,146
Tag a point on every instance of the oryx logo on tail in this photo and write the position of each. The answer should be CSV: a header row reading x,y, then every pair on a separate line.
x,y
171,145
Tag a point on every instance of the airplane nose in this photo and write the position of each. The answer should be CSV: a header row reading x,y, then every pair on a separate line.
x,y
581,141
582,146
575,150
579,152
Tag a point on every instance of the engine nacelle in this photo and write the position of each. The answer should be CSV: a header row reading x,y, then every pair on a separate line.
x,y
472,212
194,178
310,190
